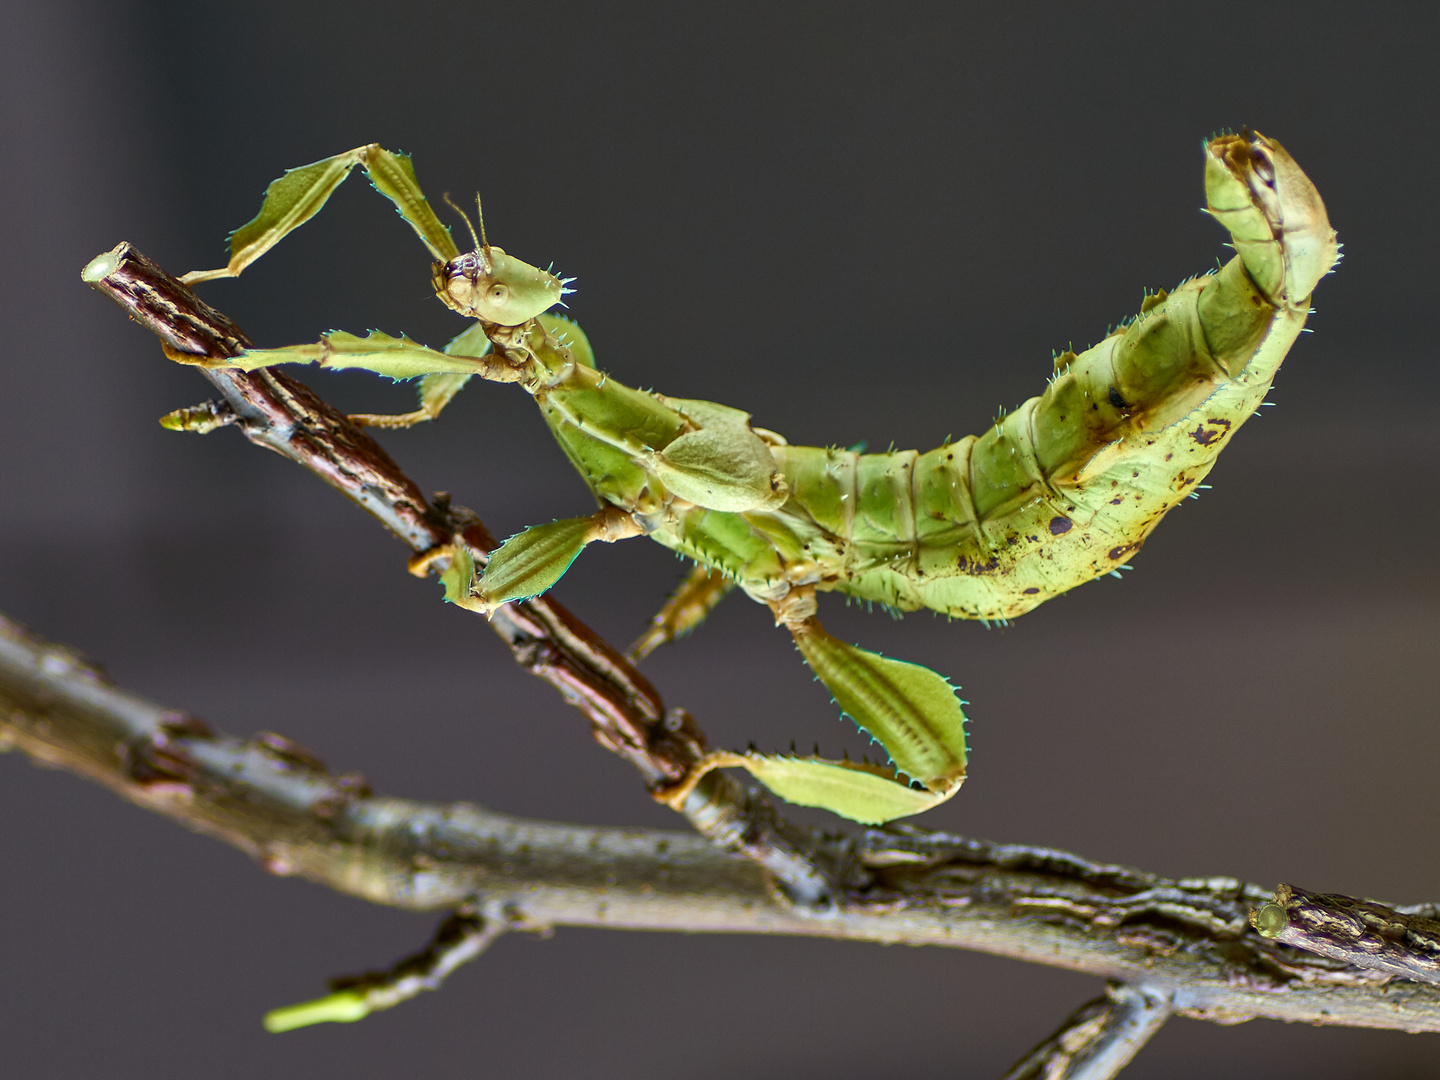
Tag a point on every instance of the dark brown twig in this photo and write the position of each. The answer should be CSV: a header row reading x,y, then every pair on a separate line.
x,y
1353,931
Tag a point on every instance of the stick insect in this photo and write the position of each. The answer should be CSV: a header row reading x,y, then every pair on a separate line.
x,y
1061,490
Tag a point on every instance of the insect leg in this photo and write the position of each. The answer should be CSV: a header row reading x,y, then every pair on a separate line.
x,y
533,560
686,609
297,196
435,393
396,357
436,390
910,710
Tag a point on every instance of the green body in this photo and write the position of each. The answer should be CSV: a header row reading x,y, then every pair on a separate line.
x,y
1063,489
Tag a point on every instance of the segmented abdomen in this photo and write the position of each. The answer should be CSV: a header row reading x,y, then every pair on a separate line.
x,y
1061,490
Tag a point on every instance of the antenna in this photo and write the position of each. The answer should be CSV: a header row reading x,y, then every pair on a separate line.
x,y
480,213
451,203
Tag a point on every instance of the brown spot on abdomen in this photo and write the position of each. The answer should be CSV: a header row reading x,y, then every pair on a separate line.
x,y
1211,431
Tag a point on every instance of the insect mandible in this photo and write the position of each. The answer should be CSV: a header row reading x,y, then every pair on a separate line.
x,y
1061,490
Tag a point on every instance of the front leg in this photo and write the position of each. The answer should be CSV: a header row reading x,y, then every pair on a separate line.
x,y
378,352
300,194
437,388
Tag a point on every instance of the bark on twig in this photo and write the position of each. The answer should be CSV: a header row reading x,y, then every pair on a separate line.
x,y
1359,932
1187,939
1098,1039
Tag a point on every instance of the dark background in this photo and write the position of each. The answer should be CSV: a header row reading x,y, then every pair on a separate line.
x,y
857,221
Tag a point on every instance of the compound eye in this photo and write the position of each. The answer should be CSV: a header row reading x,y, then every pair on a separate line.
x,y
1260,162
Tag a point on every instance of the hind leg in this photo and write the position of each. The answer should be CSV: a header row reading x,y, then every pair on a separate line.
x,y
527,564
687,608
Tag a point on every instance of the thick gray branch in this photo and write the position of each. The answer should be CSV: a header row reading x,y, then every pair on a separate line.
x,y
1190,939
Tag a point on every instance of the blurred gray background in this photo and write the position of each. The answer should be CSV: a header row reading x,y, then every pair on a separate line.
x,y
858,221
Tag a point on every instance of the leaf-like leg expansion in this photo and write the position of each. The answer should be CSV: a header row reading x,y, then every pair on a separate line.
x,y
394,177
395,357
909,709
857,790
1098,1039
300,194
457,572
437,389
461,938
532,561
686,609
288,203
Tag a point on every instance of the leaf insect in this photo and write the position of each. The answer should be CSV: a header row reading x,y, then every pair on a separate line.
x,y
1058,491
